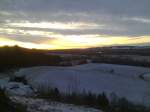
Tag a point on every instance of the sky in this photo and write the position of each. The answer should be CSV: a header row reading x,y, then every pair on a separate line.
x,y
67,24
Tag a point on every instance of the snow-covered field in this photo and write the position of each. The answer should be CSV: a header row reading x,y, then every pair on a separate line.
x,y
125,81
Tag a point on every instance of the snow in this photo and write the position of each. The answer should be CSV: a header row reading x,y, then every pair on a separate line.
x,y
15,88
97,78
3,82
146,76
19,89
41,105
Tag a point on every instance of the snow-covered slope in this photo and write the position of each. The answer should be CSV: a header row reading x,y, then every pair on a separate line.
x,y
97,78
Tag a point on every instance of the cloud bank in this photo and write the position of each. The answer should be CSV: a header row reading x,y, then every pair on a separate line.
x,y
45,21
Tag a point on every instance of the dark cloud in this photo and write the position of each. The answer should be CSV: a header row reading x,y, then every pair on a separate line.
x,y
118,7
120,17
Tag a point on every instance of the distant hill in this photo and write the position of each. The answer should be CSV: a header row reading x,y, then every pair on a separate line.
x,y
14,57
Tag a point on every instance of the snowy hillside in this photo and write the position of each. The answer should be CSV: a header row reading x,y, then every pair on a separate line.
x,y
125,81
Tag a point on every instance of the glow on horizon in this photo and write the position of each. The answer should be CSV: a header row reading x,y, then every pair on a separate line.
x,y
97,41
9,42
76,42
56,40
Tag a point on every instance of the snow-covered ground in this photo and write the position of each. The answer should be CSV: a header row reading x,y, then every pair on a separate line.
x,y
15,88
97,78
41,105
146,76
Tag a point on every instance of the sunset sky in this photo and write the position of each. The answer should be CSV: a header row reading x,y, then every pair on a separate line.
x,y
65,24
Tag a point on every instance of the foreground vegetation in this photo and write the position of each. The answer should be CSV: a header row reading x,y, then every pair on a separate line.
x,y
101,101
87,99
